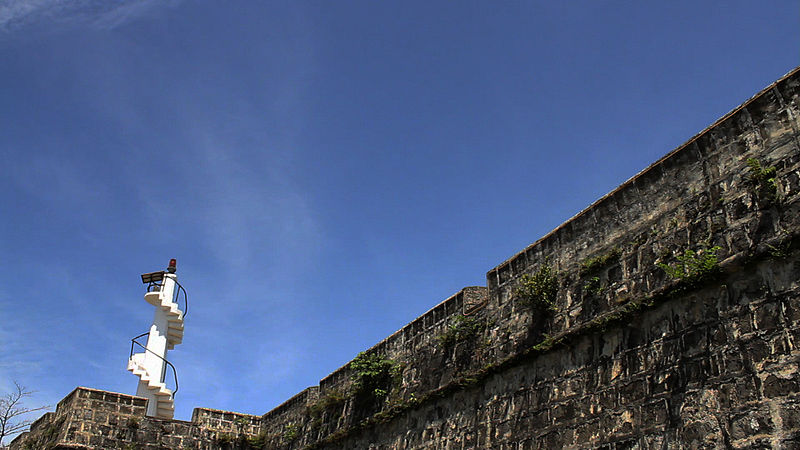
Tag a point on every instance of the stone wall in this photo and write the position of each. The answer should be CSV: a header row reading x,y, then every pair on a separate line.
x,y
633,357
91,418
625,356
330,408
716,367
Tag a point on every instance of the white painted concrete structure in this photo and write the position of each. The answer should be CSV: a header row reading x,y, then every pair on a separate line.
x,y
165,332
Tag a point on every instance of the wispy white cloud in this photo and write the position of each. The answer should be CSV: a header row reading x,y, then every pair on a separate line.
x,y
99,13
127,10
19,11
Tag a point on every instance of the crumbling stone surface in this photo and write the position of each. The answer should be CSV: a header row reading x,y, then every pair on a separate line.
x,y
95,419
714,368
624,355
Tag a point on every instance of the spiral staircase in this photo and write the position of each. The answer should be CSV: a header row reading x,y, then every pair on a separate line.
x,y
148,361
164,397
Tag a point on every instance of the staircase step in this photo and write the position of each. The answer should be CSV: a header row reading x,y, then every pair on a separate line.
x,y
175,317
154,298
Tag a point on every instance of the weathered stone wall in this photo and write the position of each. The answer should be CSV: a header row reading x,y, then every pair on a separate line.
x,y
713,368
699,195
319,412
627,357
633,357
91,418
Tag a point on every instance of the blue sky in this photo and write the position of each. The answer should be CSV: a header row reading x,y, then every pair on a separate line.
x,y
324,172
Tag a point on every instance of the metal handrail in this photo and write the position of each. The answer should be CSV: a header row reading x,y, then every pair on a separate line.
x,y
176,296
174,372
155,286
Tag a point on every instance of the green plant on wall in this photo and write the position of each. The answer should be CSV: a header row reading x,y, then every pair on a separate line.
x,y
291,432
590,265
782,249
373,374
328,402
538,290
693,266
258,441
546,344
593,286
461,328
763,179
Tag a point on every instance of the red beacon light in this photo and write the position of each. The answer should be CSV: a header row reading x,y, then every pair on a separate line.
x,y
172,265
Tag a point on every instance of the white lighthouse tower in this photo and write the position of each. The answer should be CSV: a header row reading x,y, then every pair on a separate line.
x,y
150,365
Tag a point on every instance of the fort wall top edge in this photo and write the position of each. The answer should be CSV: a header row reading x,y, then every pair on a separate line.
x,y
491,274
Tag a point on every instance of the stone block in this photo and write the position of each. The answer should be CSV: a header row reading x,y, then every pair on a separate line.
x,y
750,423
779,386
